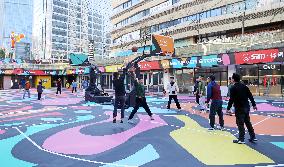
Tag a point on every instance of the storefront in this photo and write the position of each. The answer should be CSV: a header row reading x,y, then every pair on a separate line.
x,y
263,71
263,79
12,78
107,76
152,75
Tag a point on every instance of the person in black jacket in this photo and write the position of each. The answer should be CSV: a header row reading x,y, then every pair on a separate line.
x,y
239,95
119,88
39,90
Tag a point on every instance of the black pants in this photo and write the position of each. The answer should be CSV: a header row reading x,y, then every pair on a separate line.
x,y
243,118
197,98
216,107
140,102
58,90
39,96
175,99
74,89
119,101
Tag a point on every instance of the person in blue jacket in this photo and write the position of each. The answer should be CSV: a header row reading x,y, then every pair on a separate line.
x,y
214,94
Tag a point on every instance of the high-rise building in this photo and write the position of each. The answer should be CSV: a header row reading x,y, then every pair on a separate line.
x,y
62,27
16,16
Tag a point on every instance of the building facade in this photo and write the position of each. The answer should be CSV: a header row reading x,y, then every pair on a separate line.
x,y
67,26
16,16
207,28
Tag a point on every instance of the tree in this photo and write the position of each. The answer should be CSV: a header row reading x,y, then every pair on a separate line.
x,y
2,54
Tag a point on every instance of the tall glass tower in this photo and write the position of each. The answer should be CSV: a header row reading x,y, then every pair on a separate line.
x,y
16,16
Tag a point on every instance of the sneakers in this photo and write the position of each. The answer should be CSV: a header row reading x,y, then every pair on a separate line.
x,y
130,121
221,128
114,121
210,129
121,121
239,142
152,119
253,140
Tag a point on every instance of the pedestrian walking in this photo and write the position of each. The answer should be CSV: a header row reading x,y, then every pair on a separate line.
x,y
240,96
22,84
85,85
196,92
74,86
119,100
231,84
27,89
173,90
39,90
140,99
214,94
59,86
202,93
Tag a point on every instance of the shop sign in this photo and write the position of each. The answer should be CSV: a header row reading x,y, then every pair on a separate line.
x,y
176,63
184,62
260,56
209,61
149,65
165,64
270,67
102,69
113,68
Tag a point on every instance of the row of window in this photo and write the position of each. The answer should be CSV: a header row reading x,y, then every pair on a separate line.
x,y
125,5
228,9
134,18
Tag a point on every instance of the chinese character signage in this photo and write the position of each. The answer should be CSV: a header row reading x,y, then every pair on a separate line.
x,y
260,56
149,65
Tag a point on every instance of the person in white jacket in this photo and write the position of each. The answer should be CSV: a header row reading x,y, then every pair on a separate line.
x,y
172,88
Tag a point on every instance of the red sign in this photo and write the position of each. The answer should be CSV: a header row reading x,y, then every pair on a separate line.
x,y
260,56
149,65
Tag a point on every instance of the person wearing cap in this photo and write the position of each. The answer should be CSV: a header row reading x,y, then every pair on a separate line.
x,y
140,99
27,89
239,96
173,89
214,94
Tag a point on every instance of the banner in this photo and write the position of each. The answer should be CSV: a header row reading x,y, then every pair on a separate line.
x,y
162,44
113,68
259,56
149,65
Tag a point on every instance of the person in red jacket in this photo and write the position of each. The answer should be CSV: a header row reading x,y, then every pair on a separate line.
x,y
214,94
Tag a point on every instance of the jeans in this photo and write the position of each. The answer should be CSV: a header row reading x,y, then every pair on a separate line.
x,y
202,103
216,107
175,99
242,119
25,91
119,101
140,102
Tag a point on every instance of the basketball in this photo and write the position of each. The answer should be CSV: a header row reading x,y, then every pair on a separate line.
x,y
134,49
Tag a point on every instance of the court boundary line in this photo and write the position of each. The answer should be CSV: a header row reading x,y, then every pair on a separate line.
x,y
68,156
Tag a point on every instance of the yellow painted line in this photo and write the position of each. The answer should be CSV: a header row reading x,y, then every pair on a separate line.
x,y
215,149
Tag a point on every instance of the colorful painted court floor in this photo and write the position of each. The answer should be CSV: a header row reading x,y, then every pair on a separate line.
x,y
66,131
